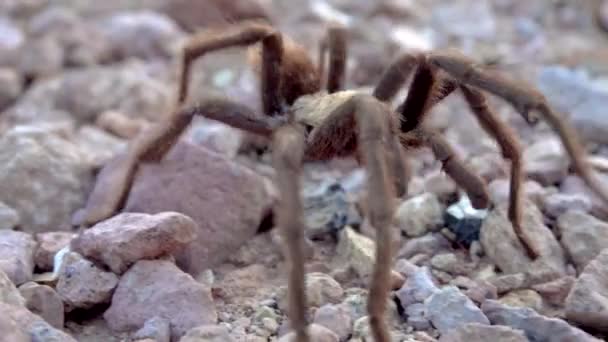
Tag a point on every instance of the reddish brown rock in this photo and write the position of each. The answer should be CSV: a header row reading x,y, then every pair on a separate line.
x,y
48,245
225,199
45,302
121,240
22,322
169,293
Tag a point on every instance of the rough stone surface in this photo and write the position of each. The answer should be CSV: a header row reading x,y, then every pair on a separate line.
x,y
317,333
587,302
524,299
17,255
419,214
207,333
583,236
536,327
123,239
10,85
335,318
8,292
43,177
82,285
417,288
475,332
45,302
200,184
556,291
545,161
156,328
48,245
502,246
558,203
170,294
9,217
30,325
449,308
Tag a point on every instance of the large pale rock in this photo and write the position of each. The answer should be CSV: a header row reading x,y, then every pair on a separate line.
x,y
583,236
45,302
169,293
123,239
476,332
587,303
207,333
43,176
546,161
83,285
225,199
21,322
419,214
9,217
316,332
536,327
502,246
335,318
17,255
8,291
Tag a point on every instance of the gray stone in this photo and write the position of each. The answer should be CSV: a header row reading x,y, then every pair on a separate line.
x,y
17,255
45,302
316,332
8,291
449,308
475,332
335,318
9,217
559,203
587,303
156,328
30,325
207,333
419,214
417,288
10,87
583,236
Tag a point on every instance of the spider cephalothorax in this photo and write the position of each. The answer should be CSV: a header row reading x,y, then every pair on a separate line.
x,y
306,122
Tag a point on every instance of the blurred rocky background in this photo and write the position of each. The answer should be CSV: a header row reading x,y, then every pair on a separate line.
x,y
194,258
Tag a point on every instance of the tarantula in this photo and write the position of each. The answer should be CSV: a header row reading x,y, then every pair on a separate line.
x,y
307,123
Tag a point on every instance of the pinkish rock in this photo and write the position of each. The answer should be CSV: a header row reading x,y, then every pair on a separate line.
x,y
156,328
45,302
225,199
475,332
317,333
428,244
208,333
545,161
83,285
22,322
575,185
556,291
499,190
583,236
335,318
48,245
17,255
123,239
8,292
587,303
169,293
556,204
505,250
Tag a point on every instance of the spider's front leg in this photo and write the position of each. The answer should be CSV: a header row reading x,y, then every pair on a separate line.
x,y
526,100
288,151
115,178
336,43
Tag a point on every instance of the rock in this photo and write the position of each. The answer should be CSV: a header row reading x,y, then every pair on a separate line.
x,y
98,145
416,316
545,161
156,328
556,204
417,288
504,249
499,190
11,36
536,327
464,221
419,214
10,85
44,302
475,332
48,245
8,292
587,302
429,244
327,210
556,291
17,255
120,124
508,282
357,250
216,136
25,323
335,318
583,236
43,177
450,263
449,308
207,333
9,217
87,92
142,34
575,185
170,294
40,58
573,92
123,239
523,299
455,19
82,285
322,289
199,184
317,333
